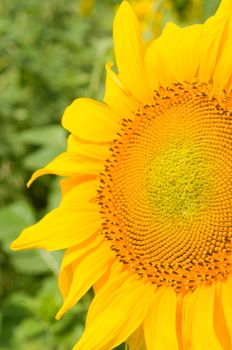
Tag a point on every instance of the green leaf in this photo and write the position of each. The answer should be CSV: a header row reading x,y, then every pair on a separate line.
x,y
54,196
41,157
29,263
209,7
13,218
47,135
29,328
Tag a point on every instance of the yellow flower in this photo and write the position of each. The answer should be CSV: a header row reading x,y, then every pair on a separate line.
x,y
146,214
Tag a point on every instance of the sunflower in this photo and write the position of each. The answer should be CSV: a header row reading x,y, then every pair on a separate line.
x,y
146,210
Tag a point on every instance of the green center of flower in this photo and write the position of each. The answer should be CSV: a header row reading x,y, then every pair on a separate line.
x,y
178,180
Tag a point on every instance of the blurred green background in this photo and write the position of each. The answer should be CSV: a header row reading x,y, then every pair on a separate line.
x,y
50,53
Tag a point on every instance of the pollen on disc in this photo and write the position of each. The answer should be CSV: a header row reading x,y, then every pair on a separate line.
x,y
166,193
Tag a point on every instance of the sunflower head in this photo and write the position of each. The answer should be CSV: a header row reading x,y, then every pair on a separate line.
x,y
162,184
146,214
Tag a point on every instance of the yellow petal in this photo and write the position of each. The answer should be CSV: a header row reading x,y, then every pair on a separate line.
x,y
179,309
116,278
82,194
174,56
136,341
90,264
214,35
220,324
117,97
129,53
186,54
74,254
226,299
73,222
69,164
118,310
187,309
198,320
159,55
90,120
223,72
96,152
160,322
114,270
224,7
68,184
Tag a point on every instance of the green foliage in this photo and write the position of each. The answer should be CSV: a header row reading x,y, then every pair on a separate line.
x,y
27,321
49,55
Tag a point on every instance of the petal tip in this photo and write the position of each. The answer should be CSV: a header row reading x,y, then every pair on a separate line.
x,y
59,314
35,175
29,182
125,9
14,245
22,242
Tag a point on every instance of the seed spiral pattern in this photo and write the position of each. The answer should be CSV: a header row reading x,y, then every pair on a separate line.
x,y
166,192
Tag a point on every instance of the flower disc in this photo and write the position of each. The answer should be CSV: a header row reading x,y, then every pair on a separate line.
x,y
166,193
